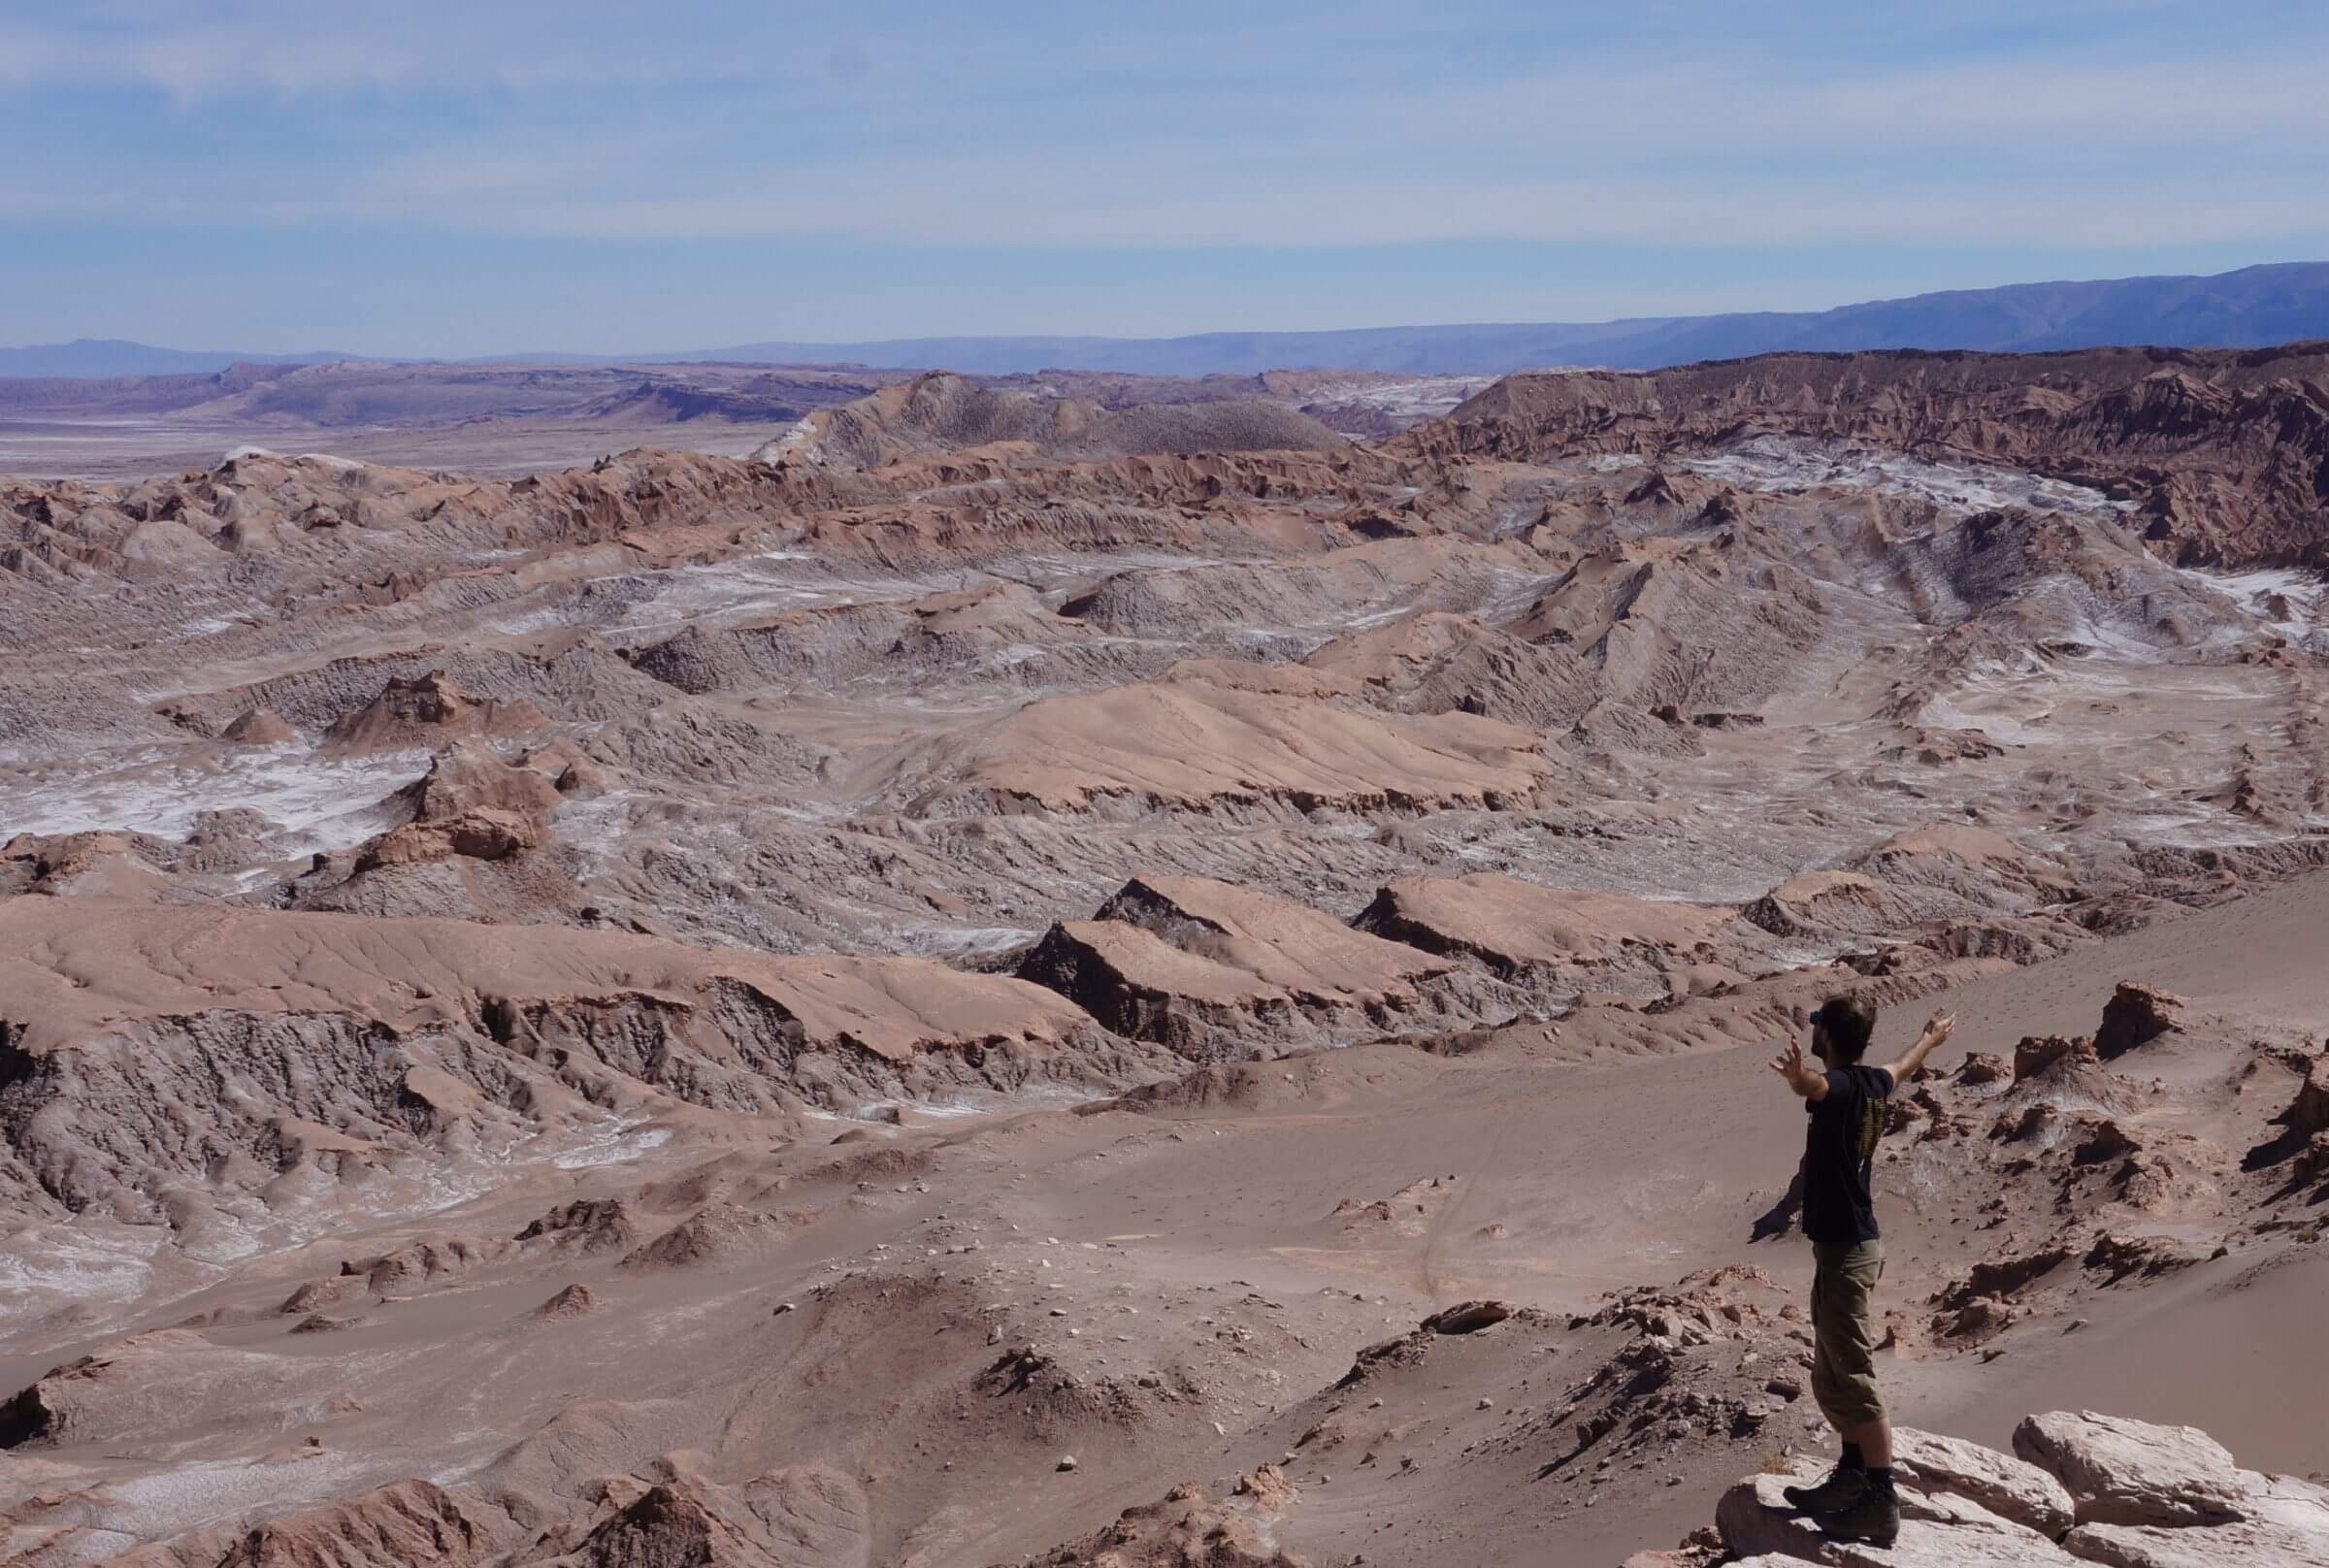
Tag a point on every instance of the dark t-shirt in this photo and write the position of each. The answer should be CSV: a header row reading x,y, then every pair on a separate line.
x,y
1839,1155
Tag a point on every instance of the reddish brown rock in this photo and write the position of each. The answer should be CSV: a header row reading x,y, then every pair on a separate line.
x,y
574,1301
2308,1113
259,726
1980,1068
2136,1015
430,710
1187,1528
484,835
2036,1054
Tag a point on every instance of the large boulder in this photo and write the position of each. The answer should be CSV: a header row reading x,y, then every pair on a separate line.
x,y
2246,1545
2011,1489
2130,1471
2285,1500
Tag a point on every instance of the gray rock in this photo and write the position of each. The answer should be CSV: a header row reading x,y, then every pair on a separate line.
x,y
2246,1545
2009,1487
2130,1471
1965,1506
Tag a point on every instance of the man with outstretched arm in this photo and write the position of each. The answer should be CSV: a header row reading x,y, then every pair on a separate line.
x,y
1846,1102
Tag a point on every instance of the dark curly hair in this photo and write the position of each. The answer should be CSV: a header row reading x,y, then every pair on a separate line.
x,y
1850,1023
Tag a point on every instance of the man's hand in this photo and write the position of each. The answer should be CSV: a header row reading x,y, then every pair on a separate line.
x,y
1801,1076
1936,1029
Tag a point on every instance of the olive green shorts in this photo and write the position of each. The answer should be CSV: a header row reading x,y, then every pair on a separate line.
x,y
1844,1331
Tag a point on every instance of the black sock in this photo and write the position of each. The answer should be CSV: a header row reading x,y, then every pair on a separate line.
x,y
1853,1459
1879,1476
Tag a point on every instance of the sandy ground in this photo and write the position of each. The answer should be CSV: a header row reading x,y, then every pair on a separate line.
x,y
1211,1235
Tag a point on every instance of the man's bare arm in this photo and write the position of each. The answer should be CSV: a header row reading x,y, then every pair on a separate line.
x,y
1801,1076
1936,1029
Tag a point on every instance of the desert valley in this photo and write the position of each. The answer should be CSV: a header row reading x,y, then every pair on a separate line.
x,y
1057,969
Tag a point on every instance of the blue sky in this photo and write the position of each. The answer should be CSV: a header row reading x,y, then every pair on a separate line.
x,y
499,175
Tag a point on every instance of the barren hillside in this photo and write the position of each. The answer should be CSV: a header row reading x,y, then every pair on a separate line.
x,y
1021,975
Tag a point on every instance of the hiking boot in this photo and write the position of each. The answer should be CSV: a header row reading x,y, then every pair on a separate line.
x,y
1875,1518
1842,1488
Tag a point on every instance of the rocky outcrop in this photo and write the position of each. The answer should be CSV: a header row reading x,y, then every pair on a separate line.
x,y
409,1521
2224,1545
2011,1488
429,710
2129,1472
137,1384
1979,1069
391,1526
2002,1277
1187,1528
2118,1258
1440,663
484,835
259,726
1829,903
804,1517
577,1300
2224,452
2041,1053
1468,1316
1144,987
2308,1115
466,778
1632,609
2306,1119
940,412
421,1264
2085,1489
1552,944
125,1030
469,805
721,1234
2136,1015
1209,968
134,866
590,1226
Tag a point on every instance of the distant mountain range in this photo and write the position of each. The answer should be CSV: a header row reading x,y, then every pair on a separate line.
x,y
2254,307
98,358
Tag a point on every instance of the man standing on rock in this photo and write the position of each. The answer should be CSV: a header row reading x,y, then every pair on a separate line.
x,y
1845,1100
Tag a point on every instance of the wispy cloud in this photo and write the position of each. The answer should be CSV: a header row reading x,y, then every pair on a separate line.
x,y
901,127
585,122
